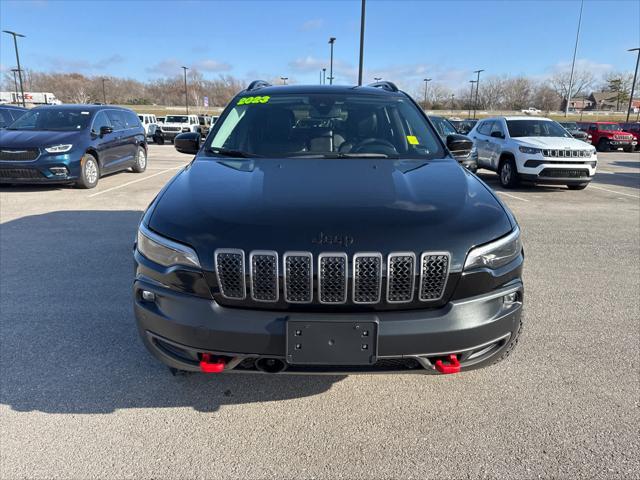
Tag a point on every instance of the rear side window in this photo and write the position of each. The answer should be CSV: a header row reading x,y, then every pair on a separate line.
x,y
132,120
485,128
117,119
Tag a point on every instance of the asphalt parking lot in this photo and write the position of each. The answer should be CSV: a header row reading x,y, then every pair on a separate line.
x,y
81,398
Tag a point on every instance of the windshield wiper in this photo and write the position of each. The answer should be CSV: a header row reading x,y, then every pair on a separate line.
x,y
341,155
231,153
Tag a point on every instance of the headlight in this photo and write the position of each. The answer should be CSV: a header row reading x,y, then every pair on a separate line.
x,y
59,148
164,251
529,150
495,254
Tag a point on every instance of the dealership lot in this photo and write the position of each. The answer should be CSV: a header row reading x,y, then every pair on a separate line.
x,y
80,397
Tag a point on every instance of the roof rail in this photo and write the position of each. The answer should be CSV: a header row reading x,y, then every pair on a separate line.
x,y
256,84
385,85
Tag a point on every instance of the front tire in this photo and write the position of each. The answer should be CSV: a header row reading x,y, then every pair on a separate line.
x,y
580,186
141,161
628,149
603,145
508,173
89,172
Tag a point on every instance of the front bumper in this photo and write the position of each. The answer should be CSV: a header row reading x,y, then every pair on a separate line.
x,y
572,171
40,170
178,328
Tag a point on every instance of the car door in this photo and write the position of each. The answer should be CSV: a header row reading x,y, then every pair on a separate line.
x,y
104,144
496,143
120,151
481,139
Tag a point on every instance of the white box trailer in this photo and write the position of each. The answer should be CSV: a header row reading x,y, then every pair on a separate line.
x,y
35,98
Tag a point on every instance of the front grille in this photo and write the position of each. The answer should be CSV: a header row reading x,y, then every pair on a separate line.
x,y
332,278
564,173
435,269
20,173
566,153
622,137
171,129
366,272
230,271
401,277
367,277
264,276
18,155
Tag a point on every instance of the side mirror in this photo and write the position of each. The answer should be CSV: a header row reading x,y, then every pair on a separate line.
x,y
187,142
459,146
105,130
497,135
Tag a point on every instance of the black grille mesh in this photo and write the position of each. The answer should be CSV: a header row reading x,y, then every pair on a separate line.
x,y
333,278
264,277
298,278
434,276
230,270
19,155
401,278
564,173
19,173
367,279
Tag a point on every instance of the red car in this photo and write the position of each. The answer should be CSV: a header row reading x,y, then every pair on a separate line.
x,y
634,129
607,136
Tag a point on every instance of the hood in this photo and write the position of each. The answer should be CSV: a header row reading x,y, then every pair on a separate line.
x,y
329,205
551,142
36,138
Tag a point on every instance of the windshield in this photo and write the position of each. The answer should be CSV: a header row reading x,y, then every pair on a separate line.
x,y
609,127
443,126
58,119
570,125
176,119
536,128
325,125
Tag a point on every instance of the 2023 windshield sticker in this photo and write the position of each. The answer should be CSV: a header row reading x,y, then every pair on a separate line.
x,y
253,100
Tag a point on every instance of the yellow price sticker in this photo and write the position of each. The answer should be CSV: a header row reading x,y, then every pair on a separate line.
x,y
413,140
254,100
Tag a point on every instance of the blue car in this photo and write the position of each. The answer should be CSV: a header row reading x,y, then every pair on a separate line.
x,y
73,144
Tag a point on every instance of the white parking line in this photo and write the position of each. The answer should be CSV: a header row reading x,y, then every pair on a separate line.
x,y
613,191
618,174
134,181
512,196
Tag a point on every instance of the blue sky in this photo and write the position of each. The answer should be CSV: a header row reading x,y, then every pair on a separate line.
x,y
405,40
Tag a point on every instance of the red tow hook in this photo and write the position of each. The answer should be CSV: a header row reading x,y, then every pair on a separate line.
x,y
452,367
209,364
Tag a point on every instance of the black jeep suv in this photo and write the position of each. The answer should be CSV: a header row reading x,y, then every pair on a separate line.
x,y
327,229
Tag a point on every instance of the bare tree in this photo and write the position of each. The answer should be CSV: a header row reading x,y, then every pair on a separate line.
x,y
546,98
583,81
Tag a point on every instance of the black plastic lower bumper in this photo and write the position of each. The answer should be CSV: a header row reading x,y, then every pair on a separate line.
x,y
178,328
555,180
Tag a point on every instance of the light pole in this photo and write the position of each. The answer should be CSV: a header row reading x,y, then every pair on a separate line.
x,y
633,85
426,85
475,104
362,11
573,62
471,96
104,93
15,82
284,80
186,98
320,77
332,40
15,44
324,76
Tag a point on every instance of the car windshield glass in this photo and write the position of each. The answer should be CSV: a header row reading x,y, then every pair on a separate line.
x,y
443,126
325,125
609,127
59,119
536,128
176,119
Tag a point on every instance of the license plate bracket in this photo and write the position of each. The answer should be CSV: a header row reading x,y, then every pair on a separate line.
x,y
344,342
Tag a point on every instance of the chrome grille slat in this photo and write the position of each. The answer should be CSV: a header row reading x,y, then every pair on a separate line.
x,y
332,278
434,274
264,276
367,277
298,277
400,277
231,273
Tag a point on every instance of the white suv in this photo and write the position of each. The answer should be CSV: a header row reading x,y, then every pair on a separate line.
x,y
176,124
537,150
149,122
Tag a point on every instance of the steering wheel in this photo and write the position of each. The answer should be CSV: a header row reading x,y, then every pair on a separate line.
x,y
375,145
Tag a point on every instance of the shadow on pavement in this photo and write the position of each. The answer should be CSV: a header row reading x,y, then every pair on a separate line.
x,y
631,164
69,341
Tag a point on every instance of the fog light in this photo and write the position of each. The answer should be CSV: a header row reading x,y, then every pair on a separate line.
x,y
59,171
148,296
509,299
